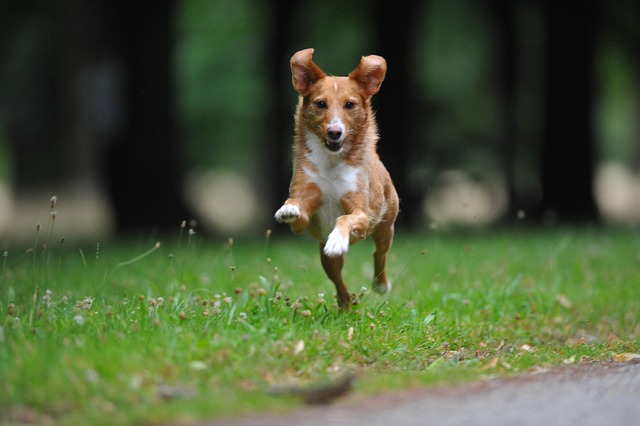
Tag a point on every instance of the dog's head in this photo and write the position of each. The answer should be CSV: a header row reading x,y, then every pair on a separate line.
x,y
334,108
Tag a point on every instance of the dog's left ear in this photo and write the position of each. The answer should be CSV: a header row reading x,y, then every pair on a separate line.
x,y
370,73
304,72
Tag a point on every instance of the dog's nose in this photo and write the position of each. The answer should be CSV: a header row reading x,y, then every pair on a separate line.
x,y
334,133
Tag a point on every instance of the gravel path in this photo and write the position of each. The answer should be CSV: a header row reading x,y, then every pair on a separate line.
x,y
597,394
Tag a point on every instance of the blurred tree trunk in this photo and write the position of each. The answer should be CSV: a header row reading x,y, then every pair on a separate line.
x,y
277,165
144,165
503,14
396,105
48,95
88,81
567,168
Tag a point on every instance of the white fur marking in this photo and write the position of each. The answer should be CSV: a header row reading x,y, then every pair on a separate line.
x,y
287,213
334,178
336,244
382,288
336,121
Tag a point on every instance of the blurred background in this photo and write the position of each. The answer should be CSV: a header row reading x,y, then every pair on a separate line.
x,y
139,114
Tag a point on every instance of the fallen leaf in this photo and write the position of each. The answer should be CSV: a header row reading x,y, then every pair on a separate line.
x,y
491,364
625,357
564,301
299,347
439,364
168,392
267,376
322,393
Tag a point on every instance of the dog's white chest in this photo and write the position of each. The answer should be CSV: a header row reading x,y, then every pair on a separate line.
x,y
335,178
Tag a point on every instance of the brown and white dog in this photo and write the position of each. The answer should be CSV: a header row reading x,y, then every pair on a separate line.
x,y
340,191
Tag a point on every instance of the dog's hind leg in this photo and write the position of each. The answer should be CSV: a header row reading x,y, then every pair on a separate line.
x,y
382,237
333,267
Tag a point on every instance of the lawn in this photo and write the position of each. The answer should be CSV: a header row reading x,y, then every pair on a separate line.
x,y
191,328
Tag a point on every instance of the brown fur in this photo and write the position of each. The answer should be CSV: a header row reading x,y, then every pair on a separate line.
x,y
340,191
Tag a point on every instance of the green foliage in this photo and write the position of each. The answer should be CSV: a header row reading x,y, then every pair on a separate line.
x,y
140,333
221,87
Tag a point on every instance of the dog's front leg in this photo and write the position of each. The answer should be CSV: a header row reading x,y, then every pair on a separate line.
x,y
349,228
297,210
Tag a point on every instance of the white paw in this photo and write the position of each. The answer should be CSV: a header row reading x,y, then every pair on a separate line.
x,y
382,288
336,244
287,213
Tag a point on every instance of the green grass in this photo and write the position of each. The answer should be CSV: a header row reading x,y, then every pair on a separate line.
x,y
130,333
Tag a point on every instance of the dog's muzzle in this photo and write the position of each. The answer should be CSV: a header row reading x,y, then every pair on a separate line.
x,y
334,137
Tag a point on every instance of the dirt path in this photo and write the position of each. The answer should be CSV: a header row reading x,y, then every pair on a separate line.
x,y
598,394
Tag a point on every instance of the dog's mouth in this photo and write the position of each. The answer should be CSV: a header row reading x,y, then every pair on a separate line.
x,y
333,146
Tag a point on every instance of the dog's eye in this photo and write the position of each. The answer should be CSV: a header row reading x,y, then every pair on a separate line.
x,y
321,104
349,105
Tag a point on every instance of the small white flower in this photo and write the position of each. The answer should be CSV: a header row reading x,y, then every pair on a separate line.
x,y
79,319
198,365
87,303
92,376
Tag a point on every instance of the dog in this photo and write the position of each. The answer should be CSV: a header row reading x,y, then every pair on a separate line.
x,y
340,191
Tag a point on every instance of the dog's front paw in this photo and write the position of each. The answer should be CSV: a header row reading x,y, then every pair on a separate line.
x,y
336,244
287,213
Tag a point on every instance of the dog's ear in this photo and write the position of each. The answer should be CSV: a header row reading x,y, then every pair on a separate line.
x,y
370,73
304,73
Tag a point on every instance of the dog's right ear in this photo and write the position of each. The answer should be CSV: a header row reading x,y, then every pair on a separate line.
x,y
304,73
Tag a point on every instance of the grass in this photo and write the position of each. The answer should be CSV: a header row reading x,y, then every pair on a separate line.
x,y
139,332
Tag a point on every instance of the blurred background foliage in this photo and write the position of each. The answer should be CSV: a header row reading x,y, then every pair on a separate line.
x,y
464,111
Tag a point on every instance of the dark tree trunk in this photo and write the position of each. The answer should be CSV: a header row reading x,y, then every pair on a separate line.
x,y
92,80
568,146
396,105
144,165
503,13
279,121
